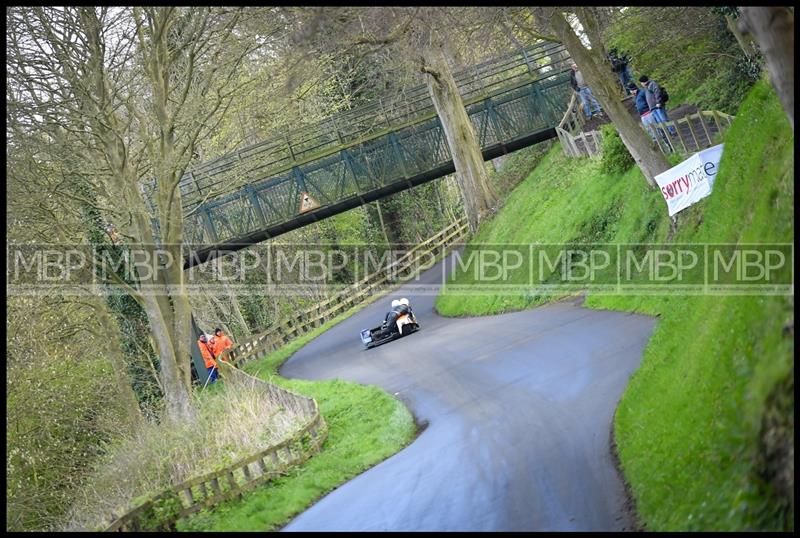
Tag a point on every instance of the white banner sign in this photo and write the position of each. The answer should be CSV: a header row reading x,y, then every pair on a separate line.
x,y
691,180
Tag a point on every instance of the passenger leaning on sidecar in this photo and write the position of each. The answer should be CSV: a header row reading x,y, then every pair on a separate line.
x,y
390,322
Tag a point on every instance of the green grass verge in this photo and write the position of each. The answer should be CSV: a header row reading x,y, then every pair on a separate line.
x,y
562,201
705,428
365,426
694,424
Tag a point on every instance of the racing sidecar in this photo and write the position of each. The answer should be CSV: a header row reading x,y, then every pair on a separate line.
x,y
404,325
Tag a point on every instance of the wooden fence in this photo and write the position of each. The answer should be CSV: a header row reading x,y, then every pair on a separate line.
x,y
307,320
161,511
571,127
693,132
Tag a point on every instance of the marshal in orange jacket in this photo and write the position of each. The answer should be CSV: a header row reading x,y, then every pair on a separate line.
x,y
206,351
221,343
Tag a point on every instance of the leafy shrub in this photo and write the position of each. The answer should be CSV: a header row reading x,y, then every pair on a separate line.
x,y
162,513
62,407
616,158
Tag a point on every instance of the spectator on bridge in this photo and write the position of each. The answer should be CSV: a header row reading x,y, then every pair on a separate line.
x,y
579,85
219,343
208,357
656,100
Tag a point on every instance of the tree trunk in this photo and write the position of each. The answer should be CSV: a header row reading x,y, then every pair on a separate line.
x,y
744,44
176,394
148,357
478,196
380,218
773,30
594,67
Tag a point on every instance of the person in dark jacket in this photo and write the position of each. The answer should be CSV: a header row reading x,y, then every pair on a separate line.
x,y
619,65
644,112
390,321
655,101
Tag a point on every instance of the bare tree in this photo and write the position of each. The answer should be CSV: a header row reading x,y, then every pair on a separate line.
x,y
773,29
127,93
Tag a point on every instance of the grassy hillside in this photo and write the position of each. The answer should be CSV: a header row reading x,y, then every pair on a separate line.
x,y
705,428
562,201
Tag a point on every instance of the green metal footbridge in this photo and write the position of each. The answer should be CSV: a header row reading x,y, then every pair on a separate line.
x,y
365,154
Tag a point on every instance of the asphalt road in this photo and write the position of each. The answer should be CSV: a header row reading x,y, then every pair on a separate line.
x,y
519,408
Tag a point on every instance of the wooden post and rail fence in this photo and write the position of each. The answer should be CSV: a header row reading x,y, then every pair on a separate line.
x,y
161,511
693,132
338,303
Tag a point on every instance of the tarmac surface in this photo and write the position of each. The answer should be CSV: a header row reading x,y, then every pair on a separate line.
x,y
519,409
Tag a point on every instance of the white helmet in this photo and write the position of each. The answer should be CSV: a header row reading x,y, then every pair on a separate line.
x,y
404,301
395,303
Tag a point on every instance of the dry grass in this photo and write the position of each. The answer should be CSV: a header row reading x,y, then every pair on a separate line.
x,y
234,421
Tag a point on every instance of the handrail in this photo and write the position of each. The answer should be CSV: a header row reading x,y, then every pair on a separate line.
x,y
700,139
348,297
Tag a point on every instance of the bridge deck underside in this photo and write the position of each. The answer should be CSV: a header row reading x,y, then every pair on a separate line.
x,y
363,172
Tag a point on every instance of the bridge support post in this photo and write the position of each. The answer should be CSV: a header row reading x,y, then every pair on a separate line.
x,y
209,225
258,210
528,63
498,129
398,154
543,106
348,162
299,179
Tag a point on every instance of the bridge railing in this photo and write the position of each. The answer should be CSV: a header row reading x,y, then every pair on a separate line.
x,y
400,157
212,488
268,157
313,317
693,132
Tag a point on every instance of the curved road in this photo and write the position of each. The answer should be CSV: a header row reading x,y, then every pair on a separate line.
x,y
519,408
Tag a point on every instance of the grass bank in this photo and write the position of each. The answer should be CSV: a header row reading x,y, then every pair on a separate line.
x,y
705,428
365,426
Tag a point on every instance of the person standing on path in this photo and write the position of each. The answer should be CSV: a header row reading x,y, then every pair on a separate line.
x,y
221,342
208,357
619,65
652,93
582,89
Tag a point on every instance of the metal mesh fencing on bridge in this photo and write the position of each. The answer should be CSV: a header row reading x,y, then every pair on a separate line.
x,y
366,153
